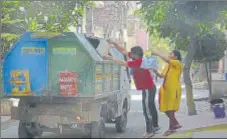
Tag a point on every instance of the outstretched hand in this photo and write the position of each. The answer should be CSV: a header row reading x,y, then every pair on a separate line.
x,y
110,41
107,57
155,71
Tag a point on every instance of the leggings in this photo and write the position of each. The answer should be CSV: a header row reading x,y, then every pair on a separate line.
x,y
149,109
172,119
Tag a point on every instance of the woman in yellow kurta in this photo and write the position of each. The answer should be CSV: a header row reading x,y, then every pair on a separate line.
x,y
170,91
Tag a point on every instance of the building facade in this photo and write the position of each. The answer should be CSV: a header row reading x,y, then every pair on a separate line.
x,y
116,20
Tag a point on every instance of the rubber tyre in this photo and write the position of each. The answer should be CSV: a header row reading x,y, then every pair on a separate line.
x,y
98,129
22,131
121,122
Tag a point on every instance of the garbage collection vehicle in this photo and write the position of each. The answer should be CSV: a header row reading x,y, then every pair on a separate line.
x,y
64,85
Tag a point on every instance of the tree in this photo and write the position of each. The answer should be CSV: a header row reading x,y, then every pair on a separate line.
x,y
8,35
185,23
54,16
38,16
211,48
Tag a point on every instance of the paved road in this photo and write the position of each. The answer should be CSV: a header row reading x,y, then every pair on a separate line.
x,y
135,127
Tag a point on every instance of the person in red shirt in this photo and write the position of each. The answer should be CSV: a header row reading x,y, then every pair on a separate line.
x,y
144,82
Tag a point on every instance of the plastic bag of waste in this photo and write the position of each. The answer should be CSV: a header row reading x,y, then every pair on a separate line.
x,y
149,63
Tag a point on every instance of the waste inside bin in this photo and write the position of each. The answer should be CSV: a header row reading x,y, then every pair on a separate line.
x,y
218,107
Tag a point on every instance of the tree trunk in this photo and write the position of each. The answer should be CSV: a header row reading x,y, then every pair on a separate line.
x,y
188,84
208,78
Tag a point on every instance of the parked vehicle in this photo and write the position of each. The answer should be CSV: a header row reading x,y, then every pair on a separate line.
x,y
64,85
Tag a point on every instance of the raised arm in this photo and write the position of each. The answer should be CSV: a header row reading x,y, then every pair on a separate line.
x,y
120,62
130,64
166,59
172,62
118,47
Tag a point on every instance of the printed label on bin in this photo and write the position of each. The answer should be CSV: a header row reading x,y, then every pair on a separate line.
x,y
98,76
98,68
64,51
33,51
45,35
20,83
68,83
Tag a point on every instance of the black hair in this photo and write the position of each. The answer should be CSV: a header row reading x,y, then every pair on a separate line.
x,y
137,50
177,54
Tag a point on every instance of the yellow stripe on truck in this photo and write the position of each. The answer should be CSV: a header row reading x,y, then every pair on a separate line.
x,y
107,76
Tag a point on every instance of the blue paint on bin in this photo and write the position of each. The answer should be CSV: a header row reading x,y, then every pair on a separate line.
x,y
219,110
35,62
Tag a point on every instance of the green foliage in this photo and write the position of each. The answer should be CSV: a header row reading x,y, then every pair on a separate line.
x,y
185,21
7,38
60,14
161,44
223,20
8,9
153,14
211,47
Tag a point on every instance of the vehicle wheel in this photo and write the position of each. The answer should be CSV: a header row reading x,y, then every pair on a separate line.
x,y
121,121
22,131
98,129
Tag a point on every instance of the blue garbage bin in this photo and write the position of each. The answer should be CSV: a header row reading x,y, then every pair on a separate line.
x,y
226,76
218,107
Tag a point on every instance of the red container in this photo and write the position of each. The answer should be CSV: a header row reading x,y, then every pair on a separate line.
x,y
68,83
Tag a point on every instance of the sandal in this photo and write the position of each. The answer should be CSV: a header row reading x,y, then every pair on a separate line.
x,y
148,135
178,126
169,132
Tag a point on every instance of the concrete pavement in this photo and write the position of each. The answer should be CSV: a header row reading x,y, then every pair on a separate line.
x,y
218,131
196,126
210,134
